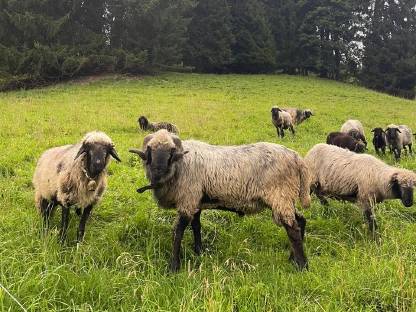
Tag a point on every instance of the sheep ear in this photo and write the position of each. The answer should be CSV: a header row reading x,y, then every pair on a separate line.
x,y
138,152
398,130
373,130
114,154
81,151
179,155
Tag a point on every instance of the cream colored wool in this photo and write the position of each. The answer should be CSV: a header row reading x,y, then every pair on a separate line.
x,y
341,173
58,176
247,178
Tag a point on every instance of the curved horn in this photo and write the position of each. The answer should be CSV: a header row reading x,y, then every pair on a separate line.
x,y
138,152
81,151
114,154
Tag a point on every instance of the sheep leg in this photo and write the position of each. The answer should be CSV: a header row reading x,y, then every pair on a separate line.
x,y
46,209
278,132
81,230
196,228
292,129
282,133
302,223
383,150
369,215
180,226
64,223
410,149
297,254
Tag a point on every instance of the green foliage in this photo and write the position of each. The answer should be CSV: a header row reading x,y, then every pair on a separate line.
x,y
122,265
210,37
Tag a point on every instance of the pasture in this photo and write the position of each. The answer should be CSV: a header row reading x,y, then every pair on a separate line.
x,y
122,264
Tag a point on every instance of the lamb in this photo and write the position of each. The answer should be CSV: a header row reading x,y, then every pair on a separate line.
x,y
360,178
379,140
145,125
192,176
282,121
298,115
344,140
397,139
355,129
73,175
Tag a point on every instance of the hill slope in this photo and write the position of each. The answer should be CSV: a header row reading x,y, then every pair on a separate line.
x,y
122,264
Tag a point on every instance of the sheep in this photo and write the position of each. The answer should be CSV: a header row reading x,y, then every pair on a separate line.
x,y
344,140
355,129
73,175
145,125
379,140
282,121
298,115
397,139
192,176
360,178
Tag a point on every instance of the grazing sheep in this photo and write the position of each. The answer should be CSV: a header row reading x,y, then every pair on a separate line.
x,y
364,179
73,175
298,115
192,176
282,121
398,137
379,140
145,125
355,129
344,140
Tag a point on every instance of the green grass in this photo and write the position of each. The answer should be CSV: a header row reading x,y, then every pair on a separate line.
x,y
122,265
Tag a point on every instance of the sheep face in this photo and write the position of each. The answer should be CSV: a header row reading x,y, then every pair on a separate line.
x,y
161,163
275,112
143,122
97,157
402,186
392,134
359,147
308,113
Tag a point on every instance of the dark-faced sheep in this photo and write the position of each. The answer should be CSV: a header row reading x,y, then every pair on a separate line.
x,y
344,140
282,121
145,125
298,115
398,137
379,140
360,178
192,176
355,129
73,175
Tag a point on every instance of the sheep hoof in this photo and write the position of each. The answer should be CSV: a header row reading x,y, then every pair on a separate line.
x,y
198,250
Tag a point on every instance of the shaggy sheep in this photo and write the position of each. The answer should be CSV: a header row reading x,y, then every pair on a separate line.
x,y
145,125
344,140
298,115
398,137
364,179
379,140
192,176
73,175
355,129
282,121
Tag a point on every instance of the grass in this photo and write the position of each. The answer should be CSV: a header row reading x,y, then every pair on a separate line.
x,y
122,265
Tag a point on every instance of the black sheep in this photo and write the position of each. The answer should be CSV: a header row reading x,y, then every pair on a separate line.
x,y
344,140
379,140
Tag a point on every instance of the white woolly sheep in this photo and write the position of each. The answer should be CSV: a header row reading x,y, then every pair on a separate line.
x,y
355,129
145,125
282,121
192,176
73,175
361,178
398,137
298,115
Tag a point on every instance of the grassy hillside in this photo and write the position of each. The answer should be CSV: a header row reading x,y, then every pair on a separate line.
x,y
122,265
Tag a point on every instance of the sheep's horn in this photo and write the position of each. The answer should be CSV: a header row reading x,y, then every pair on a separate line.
x,y
138,152
145,188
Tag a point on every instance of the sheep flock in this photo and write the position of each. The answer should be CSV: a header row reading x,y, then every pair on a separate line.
x,y
192,176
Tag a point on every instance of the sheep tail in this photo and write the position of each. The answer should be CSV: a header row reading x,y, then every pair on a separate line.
x,y
304,185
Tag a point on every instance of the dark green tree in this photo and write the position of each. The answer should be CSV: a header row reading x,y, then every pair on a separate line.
x,y
210,37
254,49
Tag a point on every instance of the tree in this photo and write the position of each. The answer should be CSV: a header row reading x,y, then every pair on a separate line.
x,y
210,37
254,48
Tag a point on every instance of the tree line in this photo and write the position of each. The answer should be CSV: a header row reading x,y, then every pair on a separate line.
x,y
372,42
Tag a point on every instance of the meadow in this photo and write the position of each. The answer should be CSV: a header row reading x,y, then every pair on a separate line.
x,y
122,264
